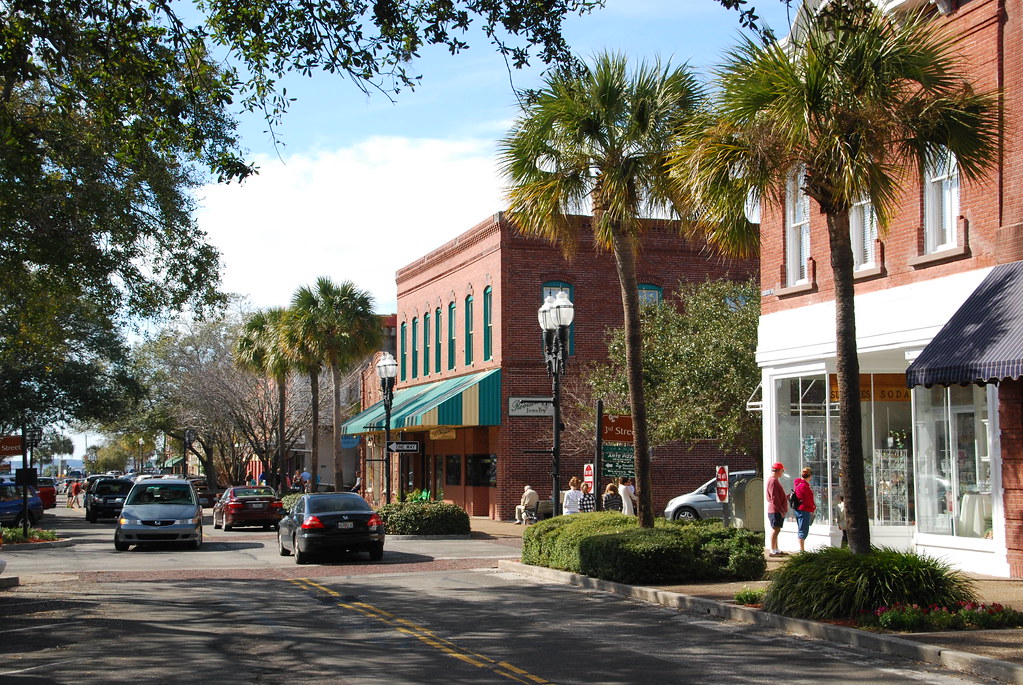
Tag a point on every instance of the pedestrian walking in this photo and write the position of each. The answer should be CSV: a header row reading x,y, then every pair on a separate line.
x,y
628,494
76,490
804,512
612,500
587,501
572,497
777,506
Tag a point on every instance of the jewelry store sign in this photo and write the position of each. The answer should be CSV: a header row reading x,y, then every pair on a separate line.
x,y
530,406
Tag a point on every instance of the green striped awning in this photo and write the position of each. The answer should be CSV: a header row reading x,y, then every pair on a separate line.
x,y
473,400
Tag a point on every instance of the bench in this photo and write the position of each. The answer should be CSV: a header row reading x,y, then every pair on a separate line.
x,y
543,509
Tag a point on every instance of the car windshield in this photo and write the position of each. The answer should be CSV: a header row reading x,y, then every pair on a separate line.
x,y
161,494
115,488
328,503
254,492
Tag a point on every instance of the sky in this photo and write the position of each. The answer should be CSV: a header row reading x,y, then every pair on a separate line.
x,y
362,186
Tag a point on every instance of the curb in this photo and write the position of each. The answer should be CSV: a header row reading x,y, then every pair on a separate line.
x,y
888,644
49,544
429,537
9,581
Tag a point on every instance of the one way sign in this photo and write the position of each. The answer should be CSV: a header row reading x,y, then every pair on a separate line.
x,y
407,446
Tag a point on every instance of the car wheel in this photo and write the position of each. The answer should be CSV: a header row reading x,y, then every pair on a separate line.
x,y
686,514
285,552
197,543
376,552
119,545
216,526
90,516
300,556
227,526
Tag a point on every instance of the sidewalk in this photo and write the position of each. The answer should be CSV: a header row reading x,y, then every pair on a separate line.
x,y
991,653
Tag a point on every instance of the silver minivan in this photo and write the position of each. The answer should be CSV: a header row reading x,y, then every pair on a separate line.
x,y
160,510
702,502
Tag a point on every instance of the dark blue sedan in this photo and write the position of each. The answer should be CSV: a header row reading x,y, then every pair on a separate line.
x,y
330,521
11,505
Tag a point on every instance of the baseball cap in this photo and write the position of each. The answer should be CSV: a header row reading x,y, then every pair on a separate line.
x,y
778,466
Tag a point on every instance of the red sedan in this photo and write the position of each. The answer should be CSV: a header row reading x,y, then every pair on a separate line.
x,y
47,489
247,506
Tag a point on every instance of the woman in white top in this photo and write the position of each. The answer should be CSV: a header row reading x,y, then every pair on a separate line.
x,y
628,493
572,497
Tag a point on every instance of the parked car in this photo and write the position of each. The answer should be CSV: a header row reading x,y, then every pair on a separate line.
x,y
160,510
105,498
247,506
47,489
702,502
207,497
11,505
330,521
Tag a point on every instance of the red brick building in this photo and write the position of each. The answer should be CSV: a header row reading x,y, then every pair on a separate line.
x,y
937,312
469,343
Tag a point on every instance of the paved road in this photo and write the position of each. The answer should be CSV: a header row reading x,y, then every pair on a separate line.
x,y
418,617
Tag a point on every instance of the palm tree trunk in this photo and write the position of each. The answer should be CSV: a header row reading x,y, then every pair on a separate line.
x,y
625,260
335,379
314,440
850,420
282,395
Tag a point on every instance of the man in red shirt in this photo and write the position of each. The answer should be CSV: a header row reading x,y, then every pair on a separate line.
x,y
777,506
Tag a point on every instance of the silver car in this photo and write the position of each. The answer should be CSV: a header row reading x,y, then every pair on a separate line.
x,y
702,502
160,510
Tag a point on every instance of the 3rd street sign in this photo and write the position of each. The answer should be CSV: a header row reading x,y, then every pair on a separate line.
x,y
10,445
407,446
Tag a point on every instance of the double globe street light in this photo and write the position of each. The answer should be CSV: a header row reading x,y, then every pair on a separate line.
x,y
555,317
387,369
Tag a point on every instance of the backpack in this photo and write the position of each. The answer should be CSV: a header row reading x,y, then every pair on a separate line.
x,y
794,501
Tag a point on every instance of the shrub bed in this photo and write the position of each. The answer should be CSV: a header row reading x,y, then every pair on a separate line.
x,y
424,518
611,546
834,583
963,616
14,535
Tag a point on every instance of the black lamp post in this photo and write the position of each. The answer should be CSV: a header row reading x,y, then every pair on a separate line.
x,y
30,437
387,369
185,446
555,317
138,462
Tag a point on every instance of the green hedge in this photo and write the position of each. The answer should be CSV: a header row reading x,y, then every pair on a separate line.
x,y
425,518
611,546
288,501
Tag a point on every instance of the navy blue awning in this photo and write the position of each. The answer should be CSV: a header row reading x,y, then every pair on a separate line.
x,y
983,341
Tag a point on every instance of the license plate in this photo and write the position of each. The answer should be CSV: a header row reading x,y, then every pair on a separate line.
x,y
257,505
346,524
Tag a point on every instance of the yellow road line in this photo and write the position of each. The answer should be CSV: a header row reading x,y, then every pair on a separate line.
x,y
426,636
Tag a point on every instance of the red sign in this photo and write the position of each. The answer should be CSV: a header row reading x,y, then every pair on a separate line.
x,y
616,428
722,484
10,446
588,475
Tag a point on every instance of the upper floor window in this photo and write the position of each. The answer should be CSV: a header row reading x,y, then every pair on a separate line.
x,y
941,203
488,323
451,336
436,340
468,330
415,348
797,227
863,234
402,343
649,294
426,344
551,289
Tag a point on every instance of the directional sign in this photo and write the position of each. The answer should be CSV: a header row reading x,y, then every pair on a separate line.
x,y
407,446
618,465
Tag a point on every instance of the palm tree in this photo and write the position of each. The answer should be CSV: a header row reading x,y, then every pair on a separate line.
x,y
301,346
855,98
598,139
260,349
341,327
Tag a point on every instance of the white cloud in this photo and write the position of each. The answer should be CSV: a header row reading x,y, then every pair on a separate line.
x,y
359,213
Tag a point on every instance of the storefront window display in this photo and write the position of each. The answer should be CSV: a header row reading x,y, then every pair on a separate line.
x,y
808,426
953,461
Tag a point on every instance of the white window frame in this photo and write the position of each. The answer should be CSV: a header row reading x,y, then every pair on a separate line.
x,y
797,227
863,234
941,204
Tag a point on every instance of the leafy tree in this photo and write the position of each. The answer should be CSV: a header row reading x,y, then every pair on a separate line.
x,y
599,139
856,97
336,320
699,366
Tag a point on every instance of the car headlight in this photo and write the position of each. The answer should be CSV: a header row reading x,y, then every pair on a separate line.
x,y
194,521
128,522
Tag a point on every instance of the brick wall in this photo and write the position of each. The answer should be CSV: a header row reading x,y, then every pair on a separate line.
x,y
1010,419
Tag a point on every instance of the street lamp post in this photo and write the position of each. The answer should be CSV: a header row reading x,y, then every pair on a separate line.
x,y
555,316
138,463
387,369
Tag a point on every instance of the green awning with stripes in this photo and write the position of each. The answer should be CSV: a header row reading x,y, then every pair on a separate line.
x,y
473,400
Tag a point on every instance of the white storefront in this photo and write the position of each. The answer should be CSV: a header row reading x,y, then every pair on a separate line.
x,y
932,459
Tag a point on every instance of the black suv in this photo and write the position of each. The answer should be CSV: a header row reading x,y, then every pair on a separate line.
x,y
105,498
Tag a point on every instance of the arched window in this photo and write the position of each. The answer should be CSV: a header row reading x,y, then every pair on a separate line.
x,y
650,294
468,330
403,342
451,336
415,348
551,289
797,227
488,323
436,340
426,344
